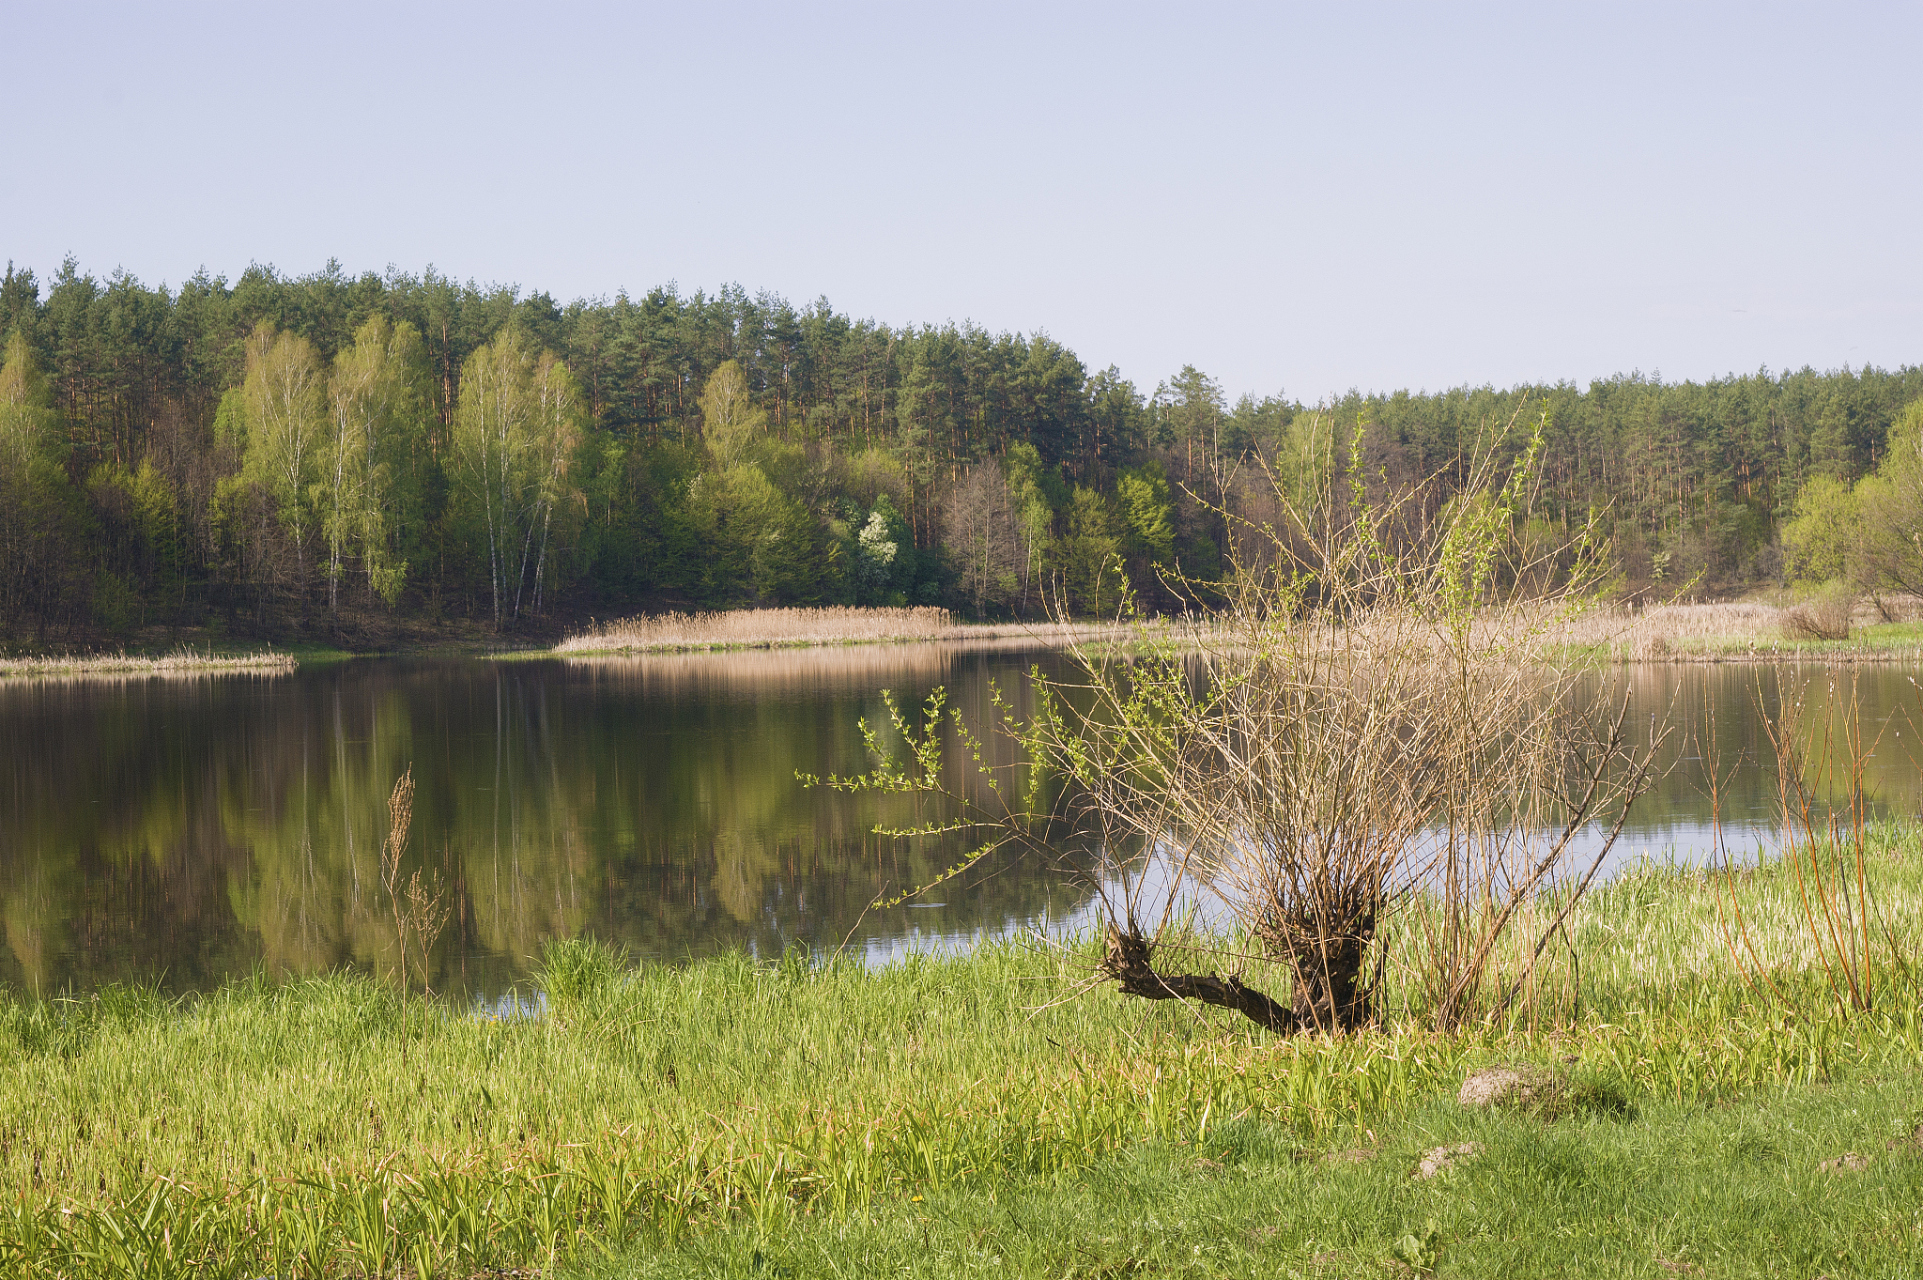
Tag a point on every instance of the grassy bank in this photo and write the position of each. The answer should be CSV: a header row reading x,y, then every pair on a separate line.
x,y
952,1116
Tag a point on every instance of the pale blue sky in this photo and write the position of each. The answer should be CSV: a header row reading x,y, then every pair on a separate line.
x,y
1292,197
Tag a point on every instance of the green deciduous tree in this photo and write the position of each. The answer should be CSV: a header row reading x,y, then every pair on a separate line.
x,y
27,421
39,546
1143,496
514,436
1890,509
1821,543
730,422
1036,491
1092,570
1305,459
284,397
376,414
757,542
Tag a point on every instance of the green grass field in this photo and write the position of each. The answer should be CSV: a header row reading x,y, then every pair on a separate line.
x,y
964,1116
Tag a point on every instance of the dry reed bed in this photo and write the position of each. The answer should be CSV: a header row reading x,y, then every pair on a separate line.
x,y
816,669
1741,630
181,662
837,625
1726,631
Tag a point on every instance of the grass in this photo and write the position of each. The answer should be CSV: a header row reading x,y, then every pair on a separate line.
x,y
944,1117
779,628
1676,1189
179,662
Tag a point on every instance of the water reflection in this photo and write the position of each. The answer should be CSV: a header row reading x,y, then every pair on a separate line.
x,y
194,829
1717,715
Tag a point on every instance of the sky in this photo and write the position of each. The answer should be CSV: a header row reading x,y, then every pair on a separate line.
x,y
1296,199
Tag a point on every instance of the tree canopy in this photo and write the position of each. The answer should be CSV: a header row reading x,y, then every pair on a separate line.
x,y
347,453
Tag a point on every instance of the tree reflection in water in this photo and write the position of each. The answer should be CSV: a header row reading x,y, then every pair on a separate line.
x,y
193,829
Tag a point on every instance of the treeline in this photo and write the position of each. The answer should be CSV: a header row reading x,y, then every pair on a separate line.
x,y
349,455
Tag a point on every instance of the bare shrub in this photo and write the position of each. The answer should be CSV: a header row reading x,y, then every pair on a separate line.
x,y
1379,730
1362,732
1825,616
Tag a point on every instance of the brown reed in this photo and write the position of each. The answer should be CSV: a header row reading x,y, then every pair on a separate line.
x,y
180,662
837,625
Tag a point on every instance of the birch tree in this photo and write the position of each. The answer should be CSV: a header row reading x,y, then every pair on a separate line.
x,y
1891,502
37,544
515,433
729,419
286,411
374,406
983,530
27,420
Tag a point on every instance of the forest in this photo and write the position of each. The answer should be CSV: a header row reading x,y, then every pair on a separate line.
x,y
362,459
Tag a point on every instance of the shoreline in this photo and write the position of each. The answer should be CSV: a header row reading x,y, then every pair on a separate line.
x,y
1745,633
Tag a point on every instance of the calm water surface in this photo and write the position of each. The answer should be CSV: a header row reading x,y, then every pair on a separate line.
x,y
193,829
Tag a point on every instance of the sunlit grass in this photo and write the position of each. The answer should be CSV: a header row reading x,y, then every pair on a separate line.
x,y
332,1127
1670,1189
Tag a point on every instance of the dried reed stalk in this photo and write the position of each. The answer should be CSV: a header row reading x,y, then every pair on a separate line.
x,y
1822,759
400,816
420,907
1826,617
427,915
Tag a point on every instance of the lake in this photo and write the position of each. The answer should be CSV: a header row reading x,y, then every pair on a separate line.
x,y
187,830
